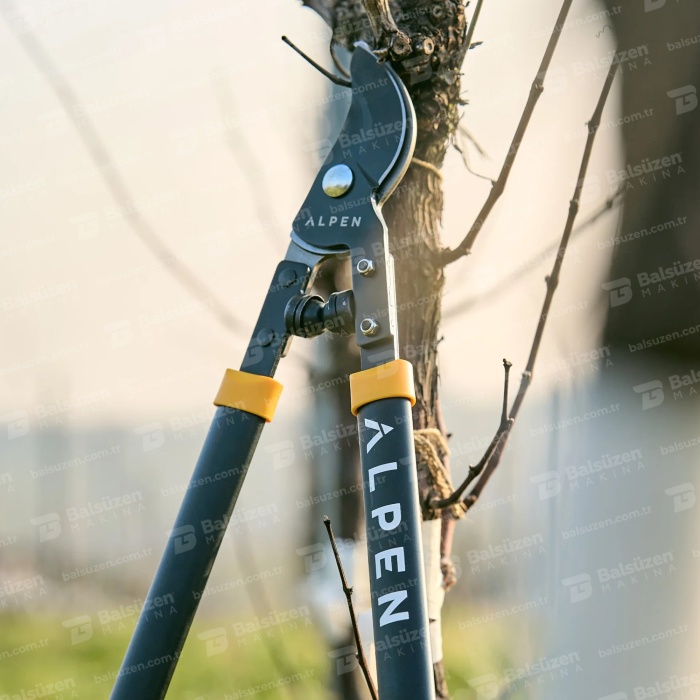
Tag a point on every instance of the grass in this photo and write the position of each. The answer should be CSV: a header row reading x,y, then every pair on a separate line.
x,y
36,651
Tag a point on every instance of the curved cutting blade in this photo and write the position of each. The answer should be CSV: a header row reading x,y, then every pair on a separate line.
x,y
376,143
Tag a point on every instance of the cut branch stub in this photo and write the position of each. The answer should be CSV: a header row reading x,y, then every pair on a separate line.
x,y
388,38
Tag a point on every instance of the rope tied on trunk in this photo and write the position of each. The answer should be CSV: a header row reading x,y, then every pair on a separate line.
x,y
433,476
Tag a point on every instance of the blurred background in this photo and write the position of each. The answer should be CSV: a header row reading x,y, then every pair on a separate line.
x,y
211,129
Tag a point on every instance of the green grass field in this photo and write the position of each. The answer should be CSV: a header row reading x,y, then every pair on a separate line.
x,y
36,652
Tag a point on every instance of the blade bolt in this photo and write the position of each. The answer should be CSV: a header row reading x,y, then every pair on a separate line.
x,y
365,267
369,326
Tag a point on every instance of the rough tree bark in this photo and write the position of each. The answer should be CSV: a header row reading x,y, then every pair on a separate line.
x,y
426,43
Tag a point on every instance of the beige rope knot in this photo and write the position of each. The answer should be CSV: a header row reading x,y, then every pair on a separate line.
x,y
431,450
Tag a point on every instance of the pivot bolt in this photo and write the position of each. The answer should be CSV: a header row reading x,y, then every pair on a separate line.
x,y
369,326
337,180
365,267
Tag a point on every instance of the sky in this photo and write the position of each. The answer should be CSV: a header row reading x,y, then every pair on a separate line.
x,y
181,95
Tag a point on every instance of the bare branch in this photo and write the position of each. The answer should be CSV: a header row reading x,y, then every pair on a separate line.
x,y
343,82
111,177
507,283
475,470
336,61
473,140
472,24
464,248
348,595
465,159
552,281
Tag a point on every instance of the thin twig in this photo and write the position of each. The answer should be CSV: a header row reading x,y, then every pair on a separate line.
x,y
464,248
472,25
336,61
111,177
473,140
465,159
343,82
476,469
552,281
348,595
507,284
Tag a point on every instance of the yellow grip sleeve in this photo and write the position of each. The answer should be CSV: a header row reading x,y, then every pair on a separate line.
x,y
391,380
250,393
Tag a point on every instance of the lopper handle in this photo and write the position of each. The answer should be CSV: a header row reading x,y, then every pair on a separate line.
x,y
189,556
394,548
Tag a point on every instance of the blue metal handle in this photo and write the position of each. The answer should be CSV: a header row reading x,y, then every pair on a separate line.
x,y
394,547
189,556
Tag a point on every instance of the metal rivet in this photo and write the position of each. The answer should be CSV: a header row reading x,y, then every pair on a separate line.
x,y
337,180
287,278
265,337
365,267
369,326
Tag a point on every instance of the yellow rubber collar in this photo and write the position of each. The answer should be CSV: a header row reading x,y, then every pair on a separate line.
x,y
394,379
250,393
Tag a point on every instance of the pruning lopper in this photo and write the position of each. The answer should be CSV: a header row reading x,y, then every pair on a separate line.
x,y
340,217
